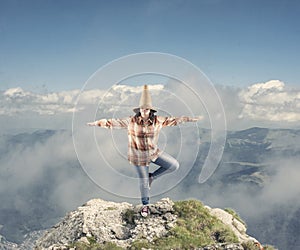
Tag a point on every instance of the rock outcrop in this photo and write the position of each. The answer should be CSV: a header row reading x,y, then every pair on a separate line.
x,y
110,222
235,225
121,224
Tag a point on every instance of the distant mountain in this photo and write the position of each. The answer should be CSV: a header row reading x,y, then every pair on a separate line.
x,y
248,154
257,168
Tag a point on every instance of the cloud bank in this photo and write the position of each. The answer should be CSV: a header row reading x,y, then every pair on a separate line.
x,y
270,101
268,104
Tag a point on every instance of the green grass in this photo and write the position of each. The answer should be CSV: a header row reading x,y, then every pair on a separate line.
x,y
268,247
195,227
250,245
111,208
129,216
93,245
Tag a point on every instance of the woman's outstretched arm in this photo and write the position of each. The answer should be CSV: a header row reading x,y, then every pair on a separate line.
x,y
173,121
111,123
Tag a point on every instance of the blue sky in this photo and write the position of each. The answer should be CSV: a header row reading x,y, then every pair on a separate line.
x,y
58,45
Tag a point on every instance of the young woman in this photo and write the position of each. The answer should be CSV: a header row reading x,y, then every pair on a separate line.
x,y
143,131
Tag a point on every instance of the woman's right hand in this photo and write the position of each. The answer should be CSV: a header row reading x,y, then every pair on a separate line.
x,y
91,124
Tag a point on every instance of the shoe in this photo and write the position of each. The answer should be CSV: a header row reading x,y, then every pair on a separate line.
x,y
145,211
151,178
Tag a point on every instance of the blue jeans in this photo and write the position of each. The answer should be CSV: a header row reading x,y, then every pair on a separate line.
x,y
167,165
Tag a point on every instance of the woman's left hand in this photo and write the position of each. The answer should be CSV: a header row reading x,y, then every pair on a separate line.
x,y
196,118
91,124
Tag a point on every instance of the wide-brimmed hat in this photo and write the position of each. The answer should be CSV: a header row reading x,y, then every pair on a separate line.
x,y
145,101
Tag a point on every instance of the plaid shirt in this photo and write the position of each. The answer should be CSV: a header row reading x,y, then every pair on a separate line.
x,y
142,136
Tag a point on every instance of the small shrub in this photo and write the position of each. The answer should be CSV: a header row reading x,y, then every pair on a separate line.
x,y
268,247
110,246
139,244
222,235
235,215
93,245
110,208
92,240
84,246
250,245
129,216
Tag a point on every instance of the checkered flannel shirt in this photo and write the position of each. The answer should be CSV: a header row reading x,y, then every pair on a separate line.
x,y
142,135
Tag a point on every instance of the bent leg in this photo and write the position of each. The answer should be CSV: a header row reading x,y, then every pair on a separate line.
x,y
167,165
143,172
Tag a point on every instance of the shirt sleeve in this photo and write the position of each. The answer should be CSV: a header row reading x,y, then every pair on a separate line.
x,y
113,123
173,121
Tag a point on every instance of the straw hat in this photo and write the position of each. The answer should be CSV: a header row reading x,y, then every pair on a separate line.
x,y
145,101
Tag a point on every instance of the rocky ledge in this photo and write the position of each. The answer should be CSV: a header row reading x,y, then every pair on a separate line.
x,y
102,222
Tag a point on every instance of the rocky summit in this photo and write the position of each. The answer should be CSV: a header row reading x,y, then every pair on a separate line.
x,y
120,225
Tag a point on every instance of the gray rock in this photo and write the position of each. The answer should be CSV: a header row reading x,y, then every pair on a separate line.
x,y
105,221
223,246
236,226
121,223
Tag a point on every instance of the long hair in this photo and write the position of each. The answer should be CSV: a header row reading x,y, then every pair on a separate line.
x,y
151,115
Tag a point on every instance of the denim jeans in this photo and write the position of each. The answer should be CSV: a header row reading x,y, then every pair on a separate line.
x,y
167,165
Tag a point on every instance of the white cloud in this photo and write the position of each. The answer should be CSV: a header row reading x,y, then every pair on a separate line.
x,y
270,101
284,186
16,100
269,104
21,110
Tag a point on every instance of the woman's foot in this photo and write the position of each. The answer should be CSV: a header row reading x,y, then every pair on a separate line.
x,y
145,211
151,178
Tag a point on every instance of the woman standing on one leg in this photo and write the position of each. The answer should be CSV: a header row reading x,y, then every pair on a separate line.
x,y
143,131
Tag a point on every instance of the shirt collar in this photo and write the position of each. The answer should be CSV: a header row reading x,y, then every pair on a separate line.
x,y
140,121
